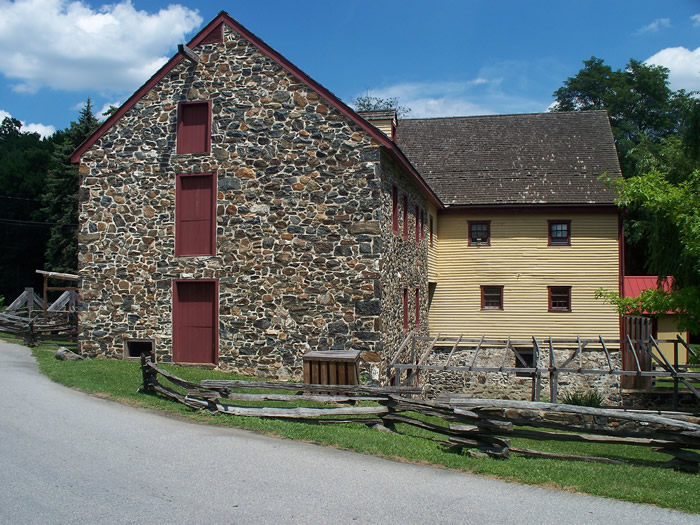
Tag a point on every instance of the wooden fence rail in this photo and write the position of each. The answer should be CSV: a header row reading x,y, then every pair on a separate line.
x,y
481,426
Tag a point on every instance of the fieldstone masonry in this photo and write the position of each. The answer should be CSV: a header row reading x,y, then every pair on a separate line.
x,y
305,255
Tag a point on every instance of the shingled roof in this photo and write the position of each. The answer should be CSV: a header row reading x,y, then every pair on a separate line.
x,y
529,159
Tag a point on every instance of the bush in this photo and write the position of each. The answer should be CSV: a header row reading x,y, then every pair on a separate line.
x,y
584,399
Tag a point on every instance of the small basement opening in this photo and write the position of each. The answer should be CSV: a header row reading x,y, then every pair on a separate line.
x,y
133,348
528,356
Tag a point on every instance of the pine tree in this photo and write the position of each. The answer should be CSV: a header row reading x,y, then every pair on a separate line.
x,y
61,196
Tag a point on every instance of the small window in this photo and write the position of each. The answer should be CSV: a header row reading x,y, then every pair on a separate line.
x,y
133,348
559,233
405,217
559,298
405,309
417,307
194,127
479,233
524,358
492,297
430,223
395,210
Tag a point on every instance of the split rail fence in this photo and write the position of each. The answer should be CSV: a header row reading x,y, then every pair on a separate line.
x,y
478,426
33,317
642,360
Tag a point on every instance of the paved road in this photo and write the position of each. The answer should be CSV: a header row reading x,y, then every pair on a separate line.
x,y
66,457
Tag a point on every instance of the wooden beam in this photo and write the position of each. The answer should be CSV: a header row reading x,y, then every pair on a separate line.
x,y
57,275
188,53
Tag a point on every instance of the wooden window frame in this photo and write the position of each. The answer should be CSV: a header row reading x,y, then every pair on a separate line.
x,y
484,288
179,146
178,211
488,232
551,296
558,242
395,210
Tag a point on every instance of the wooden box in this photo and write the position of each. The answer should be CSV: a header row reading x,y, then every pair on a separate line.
x,y
332,367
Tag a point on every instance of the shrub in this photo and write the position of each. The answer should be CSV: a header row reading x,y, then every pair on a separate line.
x,y
584,399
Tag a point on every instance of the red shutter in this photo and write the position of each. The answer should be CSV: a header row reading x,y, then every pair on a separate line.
x,y
193,127
195,321
195,210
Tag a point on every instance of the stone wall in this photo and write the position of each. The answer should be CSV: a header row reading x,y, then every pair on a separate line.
x,y
510,385
304,258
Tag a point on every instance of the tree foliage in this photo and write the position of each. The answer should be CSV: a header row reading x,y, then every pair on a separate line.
x,y
60,198
25,161
370,103
657,134
638,99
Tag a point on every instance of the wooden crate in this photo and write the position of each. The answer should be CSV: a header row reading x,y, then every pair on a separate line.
x,y
332,367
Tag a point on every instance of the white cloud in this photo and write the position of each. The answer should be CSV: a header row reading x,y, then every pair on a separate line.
x,y
100,113
683,65
696,20
480,96
655,25
42,129
71,46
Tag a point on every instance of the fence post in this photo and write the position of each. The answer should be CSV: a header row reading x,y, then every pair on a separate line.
x,y
146,375
675,376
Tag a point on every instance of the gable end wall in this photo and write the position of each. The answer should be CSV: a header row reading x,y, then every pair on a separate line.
x,y
300,227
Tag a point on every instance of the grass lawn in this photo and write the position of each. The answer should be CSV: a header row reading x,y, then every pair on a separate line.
x,y
120,380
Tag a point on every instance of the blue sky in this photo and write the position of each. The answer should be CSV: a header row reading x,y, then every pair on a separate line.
x,y
441,58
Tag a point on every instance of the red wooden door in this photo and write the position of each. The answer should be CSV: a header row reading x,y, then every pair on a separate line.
x,y
195,206
195,321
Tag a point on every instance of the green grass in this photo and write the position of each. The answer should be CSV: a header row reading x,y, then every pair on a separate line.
x,y
120,380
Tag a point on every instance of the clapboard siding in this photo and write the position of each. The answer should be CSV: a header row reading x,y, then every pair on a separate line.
x,y
520,260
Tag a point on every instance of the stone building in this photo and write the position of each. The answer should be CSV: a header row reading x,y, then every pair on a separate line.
x,y
235,212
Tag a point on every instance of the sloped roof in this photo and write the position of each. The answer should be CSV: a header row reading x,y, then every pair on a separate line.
x,y
223,17
636,284
528,159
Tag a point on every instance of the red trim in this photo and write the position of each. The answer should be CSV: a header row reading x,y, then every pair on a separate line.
x,y
553,222
216,36
549,299
178,211
532,208
216,312
483,296
392,149
430,222
488,232
207,137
